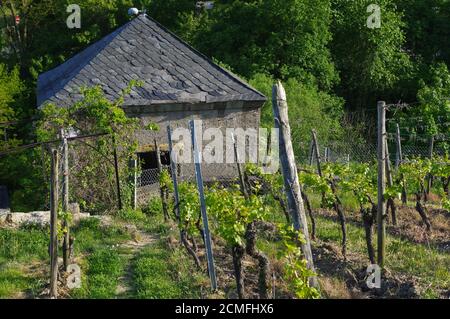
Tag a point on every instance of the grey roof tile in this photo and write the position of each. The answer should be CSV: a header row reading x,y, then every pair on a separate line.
x,y
142,49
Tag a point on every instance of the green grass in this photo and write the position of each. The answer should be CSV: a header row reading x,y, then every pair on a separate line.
x,y
160,272
23,245
14,281
430,266
104,267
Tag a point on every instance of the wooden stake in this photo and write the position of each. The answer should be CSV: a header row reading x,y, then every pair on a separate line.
x,y
316,152
199,177
390,202
65,203
381,212
54,203
399,155
239,167
289,168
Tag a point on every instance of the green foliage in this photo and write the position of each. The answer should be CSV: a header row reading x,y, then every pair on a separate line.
x,y
295,269
432,114
370,61
311,109
414,172
93,178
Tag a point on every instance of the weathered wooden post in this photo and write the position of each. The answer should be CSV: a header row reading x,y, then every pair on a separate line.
x,y
162,189
199,178
116,170
316,152
398,142
381,211
390,201
289,168
54,203
398,161
239,167
65,203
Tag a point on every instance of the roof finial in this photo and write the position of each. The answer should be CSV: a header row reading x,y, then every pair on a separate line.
x,y
136,12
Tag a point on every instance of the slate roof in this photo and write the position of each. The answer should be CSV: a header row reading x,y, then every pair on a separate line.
x,y
142,49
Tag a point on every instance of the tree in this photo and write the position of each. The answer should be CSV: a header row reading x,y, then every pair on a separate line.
x,y
10,87
285,39
371,61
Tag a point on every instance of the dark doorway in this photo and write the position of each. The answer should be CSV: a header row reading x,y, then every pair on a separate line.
x,y
147,160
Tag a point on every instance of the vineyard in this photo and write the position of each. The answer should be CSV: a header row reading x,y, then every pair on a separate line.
x,y
243,239
251,150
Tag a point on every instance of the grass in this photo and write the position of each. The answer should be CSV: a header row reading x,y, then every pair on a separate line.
x,y
18,249
104,268
161,273
429,265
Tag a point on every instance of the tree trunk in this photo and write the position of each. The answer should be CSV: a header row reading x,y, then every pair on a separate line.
x,y
368,220
393,209
263,261
422,212
238,252
189,249
338,208
311,215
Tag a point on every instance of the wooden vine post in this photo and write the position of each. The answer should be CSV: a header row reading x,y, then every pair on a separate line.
x,y
398,142
289,169
398,162
54,203
65,203
390,182
199,178
381,211
239,167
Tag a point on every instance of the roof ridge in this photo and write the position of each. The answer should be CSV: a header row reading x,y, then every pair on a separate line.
x,y
215,65
142,48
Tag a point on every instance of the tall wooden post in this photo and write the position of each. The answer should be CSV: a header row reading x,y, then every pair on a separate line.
x,y
316,152
390,182
116,170
199,177
381,212
239,167
289,168
54,202
65,203
399,155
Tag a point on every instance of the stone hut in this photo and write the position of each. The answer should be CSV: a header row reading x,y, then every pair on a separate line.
x,y
179,83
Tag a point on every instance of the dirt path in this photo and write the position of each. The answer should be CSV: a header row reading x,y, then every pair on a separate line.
x,y
129,251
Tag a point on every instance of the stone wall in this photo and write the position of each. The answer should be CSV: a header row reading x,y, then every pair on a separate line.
x,y
238,114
